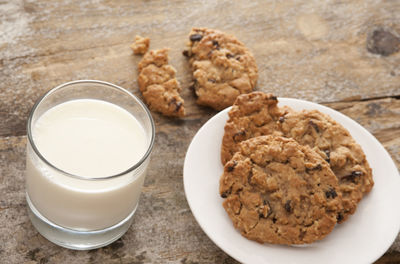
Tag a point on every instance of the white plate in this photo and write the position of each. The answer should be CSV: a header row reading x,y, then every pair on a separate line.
x,y
361,239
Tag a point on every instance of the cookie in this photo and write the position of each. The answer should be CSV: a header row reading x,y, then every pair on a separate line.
x,y
335,144
141,45
222,67
257,114
280,192
158,84
252,115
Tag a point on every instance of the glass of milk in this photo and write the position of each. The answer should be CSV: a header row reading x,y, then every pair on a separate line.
x,y
88,149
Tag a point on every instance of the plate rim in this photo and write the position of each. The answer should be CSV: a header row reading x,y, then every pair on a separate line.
x,y
309,105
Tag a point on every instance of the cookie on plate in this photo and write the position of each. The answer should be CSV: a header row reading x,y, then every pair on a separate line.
x,y
158,84
280,192
335,144
257,114
222,67
253,114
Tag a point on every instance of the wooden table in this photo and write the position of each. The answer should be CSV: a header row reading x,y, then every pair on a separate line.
x,y
343,54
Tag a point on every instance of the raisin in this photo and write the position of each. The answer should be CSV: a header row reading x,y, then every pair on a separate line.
x,y
288,208
249,177
261,215
328,156
228,55
331,193
274,220
266,203
339,217
314,126
186,53
173,101
353,176
318,167
230,168
281,119
215,43
178,106
237,135
195,37
212,80
226,193
302,234
274,98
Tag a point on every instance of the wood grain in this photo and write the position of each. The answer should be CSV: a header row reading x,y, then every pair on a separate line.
x,y
164,228
322,51
304,49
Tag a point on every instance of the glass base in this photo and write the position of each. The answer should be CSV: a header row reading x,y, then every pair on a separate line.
x,y
73,239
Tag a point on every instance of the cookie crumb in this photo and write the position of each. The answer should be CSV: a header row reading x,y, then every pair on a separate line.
x,y
141,45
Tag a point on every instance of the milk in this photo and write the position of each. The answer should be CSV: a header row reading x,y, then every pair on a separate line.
x,y
90,139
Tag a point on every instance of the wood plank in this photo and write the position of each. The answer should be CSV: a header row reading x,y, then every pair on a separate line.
x,y
314,50
164,228
380,117
310,50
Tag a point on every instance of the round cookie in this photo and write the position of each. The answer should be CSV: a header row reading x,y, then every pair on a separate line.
x,y
280,192
253,114
335,144
257,113
222,67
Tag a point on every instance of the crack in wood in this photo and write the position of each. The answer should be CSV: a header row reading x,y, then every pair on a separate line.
x,y
397,97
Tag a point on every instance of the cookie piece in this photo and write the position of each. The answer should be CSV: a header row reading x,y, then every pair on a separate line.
x,y
158,84
280,192
141,45
335,144
252,115
222,67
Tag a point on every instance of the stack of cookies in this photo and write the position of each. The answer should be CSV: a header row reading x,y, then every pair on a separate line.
x,y
289,176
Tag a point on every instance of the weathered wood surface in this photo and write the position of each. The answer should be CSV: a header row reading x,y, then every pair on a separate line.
x,y
341,53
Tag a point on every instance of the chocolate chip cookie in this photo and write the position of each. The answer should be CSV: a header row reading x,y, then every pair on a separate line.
x,y
158,84
335,144
278,191
222,67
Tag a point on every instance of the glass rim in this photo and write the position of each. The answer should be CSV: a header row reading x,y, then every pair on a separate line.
x,y
110,85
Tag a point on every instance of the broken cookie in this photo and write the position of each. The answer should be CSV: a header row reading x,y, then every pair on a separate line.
x,y
158,84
